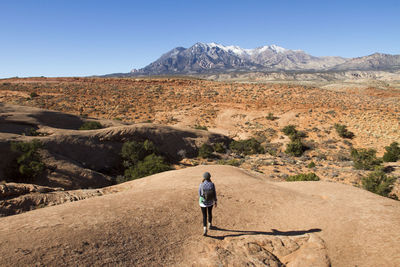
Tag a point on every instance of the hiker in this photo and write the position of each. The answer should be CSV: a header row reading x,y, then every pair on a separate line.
x,y
208,198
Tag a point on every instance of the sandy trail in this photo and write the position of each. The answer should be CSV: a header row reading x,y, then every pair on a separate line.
x,y
156,221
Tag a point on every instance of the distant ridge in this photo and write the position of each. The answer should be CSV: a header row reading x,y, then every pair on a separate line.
x,y
216,58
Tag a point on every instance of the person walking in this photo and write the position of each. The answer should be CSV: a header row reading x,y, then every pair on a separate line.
x,y
207,199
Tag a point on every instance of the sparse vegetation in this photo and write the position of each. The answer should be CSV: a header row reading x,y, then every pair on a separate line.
x,y
303,177
141,159
246,147
232,162
365,159
378,182
91,125
343,131
392,153
27,164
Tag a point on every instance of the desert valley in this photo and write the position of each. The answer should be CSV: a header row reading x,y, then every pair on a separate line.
x,y
82,206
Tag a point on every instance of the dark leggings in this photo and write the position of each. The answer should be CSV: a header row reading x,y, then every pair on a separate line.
x,y
205,211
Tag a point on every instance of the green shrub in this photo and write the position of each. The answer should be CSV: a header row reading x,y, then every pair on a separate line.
x,y
311,165
91,125
303,177
151,164
378,182
33,94
289,130
219,147
200,127
343,131
140,159
293,133
27,164
365,159
247,147
392,153
132,152
205,151
271,117
31,132
295,148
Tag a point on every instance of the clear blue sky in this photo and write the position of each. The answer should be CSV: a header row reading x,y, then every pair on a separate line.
x,y
87,37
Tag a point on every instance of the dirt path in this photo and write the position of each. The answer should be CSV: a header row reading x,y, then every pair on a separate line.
x,y
156,221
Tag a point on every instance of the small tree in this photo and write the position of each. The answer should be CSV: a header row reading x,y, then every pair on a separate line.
x,y
392,153
27,164
343,131
365,159
378,182
205,151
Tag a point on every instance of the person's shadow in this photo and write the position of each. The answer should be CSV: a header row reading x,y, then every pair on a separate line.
x,y
274,232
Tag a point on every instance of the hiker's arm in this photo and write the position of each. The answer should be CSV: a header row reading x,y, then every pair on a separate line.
x,y
200,190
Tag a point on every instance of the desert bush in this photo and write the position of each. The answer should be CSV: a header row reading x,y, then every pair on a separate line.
x,y
246,147
27,164
91,125
293,133
31,132
151,164
343,131
303,177
392,153
365,159
33,94
289,130
378,182
219,147
311,165
295,148
200,127
205,151
271,117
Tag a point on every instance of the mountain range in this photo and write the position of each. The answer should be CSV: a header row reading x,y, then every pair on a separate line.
x,y
216,58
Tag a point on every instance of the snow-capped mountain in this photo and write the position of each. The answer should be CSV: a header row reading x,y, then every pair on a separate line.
x,y
202,57
213,57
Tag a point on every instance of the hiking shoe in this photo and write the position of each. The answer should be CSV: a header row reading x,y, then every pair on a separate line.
x,y
204,231
209,225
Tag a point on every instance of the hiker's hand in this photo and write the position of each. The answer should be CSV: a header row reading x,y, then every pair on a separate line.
x,y
215,204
